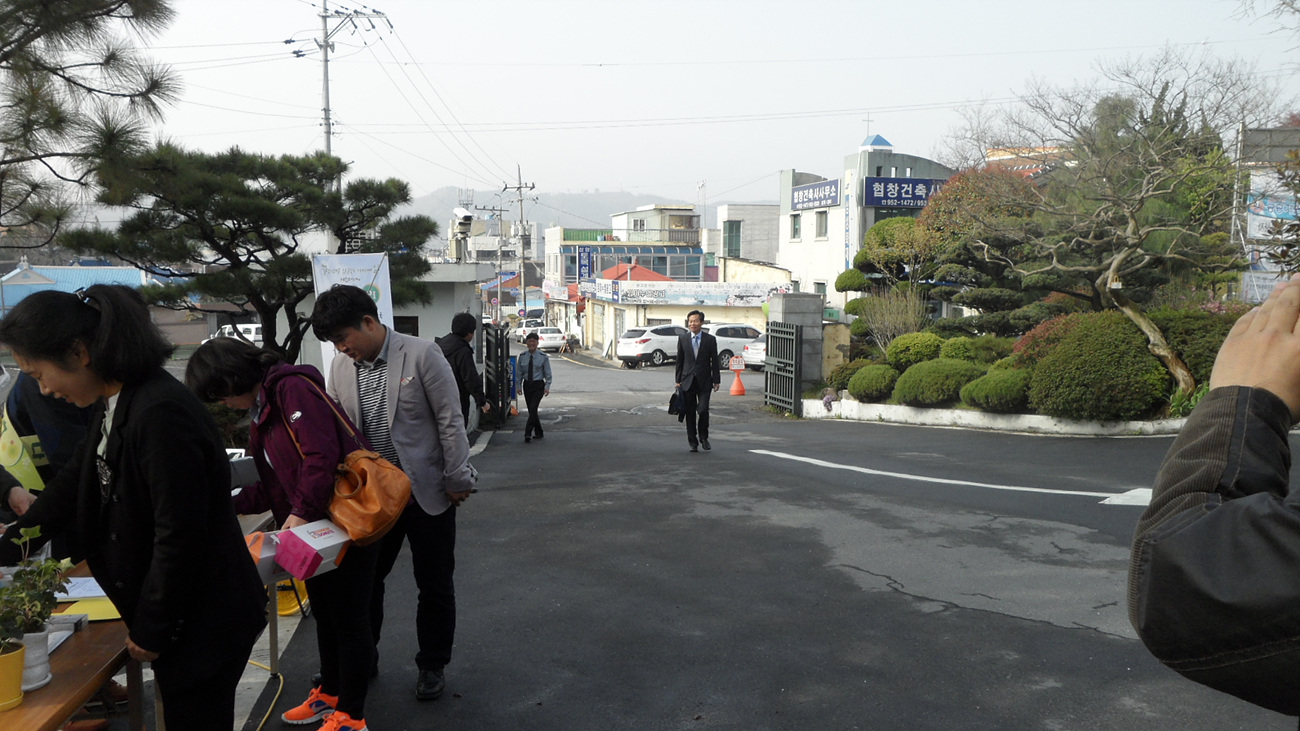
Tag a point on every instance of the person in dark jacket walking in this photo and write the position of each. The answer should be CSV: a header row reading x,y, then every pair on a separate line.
x,y
297,439
460,356
697,378
148,493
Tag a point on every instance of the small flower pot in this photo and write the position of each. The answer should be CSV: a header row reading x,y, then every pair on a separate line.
x,y
11,678
36,666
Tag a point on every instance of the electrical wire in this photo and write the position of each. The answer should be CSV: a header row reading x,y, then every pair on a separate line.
x,y
423,159
270,709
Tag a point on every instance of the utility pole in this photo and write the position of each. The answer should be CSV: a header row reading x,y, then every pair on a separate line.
x,y
519,189
497,213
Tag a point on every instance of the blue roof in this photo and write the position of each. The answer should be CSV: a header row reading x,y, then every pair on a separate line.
x,y
13,288
876,141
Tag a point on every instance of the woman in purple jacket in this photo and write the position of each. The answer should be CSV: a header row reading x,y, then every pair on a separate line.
x,y
297,481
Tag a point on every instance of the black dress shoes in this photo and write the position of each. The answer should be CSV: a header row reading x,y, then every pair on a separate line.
x,y
705,443
528,439
429,685
695,447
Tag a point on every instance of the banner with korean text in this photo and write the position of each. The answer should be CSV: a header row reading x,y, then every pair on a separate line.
x,y
367,271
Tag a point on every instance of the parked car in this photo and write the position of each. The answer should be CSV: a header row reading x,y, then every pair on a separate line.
x,y
732,339
655,344
755,352
251,333
526,327
550,338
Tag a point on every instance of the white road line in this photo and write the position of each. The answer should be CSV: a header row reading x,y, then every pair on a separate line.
x,y
921,478
1137,496
481,443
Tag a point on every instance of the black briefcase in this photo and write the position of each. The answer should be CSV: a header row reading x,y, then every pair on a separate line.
x,y
675,402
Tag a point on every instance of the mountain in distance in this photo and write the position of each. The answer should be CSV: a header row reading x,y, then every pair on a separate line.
x,y
570,210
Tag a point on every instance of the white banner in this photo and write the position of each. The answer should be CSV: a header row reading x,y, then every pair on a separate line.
x,y
367,271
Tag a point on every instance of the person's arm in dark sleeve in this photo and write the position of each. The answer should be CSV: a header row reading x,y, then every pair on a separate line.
x,y
681,359
54,511
318,441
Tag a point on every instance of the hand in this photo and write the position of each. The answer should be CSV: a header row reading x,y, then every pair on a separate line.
x,y
546,392
139,653
486,408
678,385
456,498
20,499
1263,348
293,521
715,387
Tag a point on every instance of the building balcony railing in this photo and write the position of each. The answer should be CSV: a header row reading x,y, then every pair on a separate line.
x,y
643,236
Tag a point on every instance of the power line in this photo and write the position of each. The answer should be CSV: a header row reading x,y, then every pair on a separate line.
x,y
464,173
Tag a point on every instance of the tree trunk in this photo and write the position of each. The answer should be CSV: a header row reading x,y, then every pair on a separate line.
x,y
1156,342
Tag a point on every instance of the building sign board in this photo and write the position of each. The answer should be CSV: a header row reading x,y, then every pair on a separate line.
x,y
585,264
899,192
715,294
825,194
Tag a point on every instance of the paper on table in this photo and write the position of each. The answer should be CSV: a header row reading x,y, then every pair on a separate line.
x,y
80,587
96,609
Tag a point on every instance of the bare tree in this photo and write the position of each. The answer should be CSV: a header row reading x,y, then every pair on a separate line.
x,y
1132,173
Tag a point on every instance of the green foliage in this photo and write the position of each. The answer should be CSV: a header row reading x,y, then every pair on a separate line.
x,y
962,348
858,328
232,227
1026,318
1036,343
989,299
992,323
1004,364
1181,404
851,280
989,348
907,350
29,599
951,327
855,306
1196,336
873,383
1000,391
839,376
1099,370
935,382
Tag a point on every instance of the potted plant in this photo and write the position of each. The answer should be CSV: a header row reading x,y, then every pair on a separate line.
x,y
25,605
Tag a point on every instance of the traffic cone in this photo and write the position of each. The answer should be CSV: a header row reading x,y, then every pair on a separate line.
x,y
738,387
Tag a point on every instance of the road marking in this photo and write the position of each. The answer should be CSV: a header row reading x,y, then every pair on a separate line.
x,y
940,480
481,443
1137,496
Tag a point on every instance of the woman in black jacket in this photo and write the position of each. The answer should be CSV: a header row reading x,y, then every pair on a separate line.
x,y
147,494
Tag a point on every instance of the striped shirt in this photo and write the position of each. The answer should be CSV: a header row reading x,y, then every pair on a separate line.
x,y
372,391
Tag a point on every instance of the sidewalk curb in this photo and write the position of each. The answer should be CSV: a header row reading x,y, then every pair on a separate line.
x,y
850,410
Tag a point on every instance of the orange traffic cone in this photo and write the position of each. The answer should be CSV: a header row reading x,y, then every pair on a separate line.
x,y
738,387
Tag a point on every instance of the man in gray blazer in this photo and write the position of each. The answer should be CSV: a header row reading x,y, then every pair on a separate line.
x,y
401,392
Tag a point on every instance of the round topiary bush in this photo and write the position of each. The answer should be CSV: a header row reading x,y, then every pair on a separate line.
x,y
960,348
907,350
1195,335
858,328
1100,370
851,280
1038,342
873,383
1004,364
839,376
1000,391
935,382
991,348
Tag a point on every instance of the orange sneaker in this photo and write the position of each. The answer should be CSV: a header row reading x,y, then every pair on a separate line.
x,y
317,706
340,721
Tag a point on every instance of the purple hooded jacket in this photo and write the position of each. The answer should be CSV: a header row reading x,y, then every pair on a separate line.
x,y
293,482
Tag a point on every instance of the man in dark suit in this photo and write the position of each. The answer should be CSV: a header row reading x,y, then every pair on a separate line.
x,y
697,377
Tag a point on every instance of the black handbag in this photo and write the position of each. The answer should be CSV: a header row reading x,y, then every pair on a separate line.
x,y
675,403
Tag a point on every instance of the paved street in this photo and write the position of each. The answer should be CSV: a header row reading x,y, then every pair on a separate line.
x,y
802,575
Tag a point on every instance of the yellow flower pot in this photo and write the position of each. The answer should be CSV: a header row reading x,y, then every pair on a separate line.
x,y
11,678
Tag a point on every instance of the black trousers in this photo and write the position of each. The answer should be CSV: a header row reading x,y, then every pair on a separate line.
x,y
340,602
205,706
533,391
695,404
433,561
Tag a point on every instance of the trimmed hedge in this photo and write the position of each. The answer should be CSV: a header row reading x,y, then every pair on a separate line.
x,y
907,350
1000,391
1099,370
935,382
991,348
839,376
961,348
1038,342
873,383
1196,336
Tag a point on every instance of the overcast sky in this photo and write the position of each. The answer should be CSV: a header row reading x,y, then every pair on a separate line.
x,y
651,97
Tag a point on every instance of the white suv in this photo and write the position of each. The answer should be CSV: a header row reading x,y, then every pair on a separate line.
x,y
732,339
655,344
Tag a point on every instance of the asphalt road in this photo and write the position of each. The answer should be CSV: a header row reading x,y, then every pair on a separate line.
x,y
608,578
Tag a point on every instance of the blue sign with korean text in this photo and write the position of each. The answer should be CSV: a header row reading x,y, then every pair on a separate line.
x,y
584,264
825,194
899,192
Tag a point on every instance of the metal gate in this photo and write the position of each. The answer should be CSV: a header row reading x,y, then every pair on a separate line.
x,y
496,371
783,372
